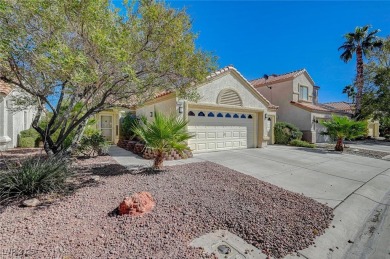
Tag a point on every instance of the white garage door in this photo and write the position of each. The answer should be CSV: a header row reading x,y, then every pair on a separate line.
x,y
220,130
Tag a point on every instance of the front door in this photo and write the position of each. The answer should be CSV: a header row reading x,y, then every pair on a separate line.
x,y
106,127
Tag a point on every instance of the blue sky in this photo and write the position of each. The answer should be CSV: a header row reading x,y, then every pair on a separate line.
x,y
276,37
259,37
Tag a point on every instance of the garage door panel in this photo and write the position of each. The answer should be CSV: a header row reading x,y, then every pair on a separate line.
x,y
216,133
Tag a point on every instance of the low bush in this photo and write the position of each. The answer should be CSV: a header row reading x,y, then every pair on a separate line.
x,y
34,176
301,143
126,127
93,144
29,138
286,132
27,142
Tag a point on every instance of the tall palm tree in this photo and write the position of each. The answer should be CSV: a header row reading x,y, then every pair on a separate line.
x,y
163,134
359,42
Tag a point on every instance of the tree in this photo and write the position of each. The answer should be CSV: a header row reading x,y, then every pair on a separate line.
x,y
163,134
376,96
76,58
342,127
350,91
359,42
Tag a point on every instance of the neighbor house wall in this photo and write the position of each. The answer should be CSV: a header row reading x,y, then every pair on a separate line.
x,y
302,80
13,122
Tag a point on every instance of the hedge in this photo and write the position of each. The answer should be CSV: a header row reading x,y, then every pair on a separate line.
x,y
285,132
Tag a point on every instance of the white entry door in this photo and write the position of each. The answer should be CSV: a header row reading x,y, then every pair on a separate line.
x,y
106,126
215,131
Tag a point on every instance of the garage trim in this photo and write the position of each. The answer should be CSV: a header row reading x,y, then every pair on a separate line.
x,y
258,118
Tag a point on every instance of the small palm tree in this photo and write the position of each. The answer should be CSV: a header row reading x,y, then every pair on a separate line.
x,y
342,127
163,134
359,42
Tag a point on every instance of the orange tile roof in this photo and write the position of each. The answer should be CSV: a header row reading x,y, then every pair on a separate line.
x,y
310,107
340,106
272,79
5,88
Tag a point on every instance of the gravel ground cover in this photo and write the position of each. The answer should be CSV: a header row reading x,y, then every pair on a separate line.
x,y
191,200
355,151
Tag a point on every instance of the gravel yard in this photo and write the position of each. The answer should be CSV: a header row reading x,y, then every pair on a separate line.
x,y
191,200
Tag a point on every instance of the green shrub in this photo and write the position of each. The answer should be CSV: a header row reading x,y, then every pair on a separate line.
x,y
28,138
34,176
94,144
301,143
27,142
127,124
285,132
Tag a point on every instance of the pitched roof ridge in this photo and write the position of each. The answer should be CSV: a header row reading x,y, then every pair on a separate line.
x,y
277,75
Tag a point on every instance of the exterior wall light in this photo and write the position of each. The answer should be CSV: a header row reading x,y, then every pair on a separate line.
x,y
151,114
179,106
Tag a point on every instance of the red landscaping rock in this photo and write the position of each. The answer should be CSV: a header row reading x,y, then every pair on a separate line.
x,y
137,204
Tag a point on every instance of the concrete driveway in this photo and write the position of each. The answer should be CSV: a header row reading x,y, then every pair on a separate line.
x,y
358,188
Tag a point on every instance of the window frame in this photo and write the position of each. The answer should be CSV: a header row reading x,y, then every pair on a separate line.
x,y
301,93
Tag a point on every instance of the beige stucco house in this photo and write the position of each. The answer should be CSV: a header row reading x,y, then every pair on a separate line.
x,y
230,114
297,97
12,122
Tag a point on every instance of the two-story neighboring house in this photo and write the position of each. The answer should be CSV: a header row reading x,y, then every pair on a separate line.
x,y
12,122
297,97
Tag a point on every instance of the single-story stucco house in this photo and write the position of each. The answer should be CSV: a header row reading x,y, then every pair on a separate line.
x,y
296,95
230,114
12,122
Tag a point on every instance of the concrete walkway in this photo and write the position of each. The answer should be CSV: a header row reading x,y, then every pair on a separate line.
x,y
358,188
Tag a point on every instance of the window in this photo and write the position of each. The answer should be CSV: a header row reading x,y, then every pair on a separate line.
x,y
249,116
303,93
243,116
210,114
235,116
191,113
220,115
228,115
201,114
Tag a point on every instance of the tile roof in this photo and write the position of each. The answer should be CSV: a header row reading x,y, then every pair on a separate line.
x,y
5,88
310,107
272,79
340,107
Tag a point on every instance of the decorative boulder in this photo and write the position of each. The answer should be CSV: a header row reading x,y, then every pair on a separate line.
x,y
137,204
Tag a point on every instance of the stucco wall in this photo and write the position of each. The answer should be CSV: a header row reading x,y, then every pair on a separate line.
x,y
209,92
166,106
304,81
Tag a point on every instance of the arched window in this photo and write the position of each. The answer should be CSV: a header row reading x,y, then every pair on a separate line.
x,y
229,97
243,116
210,114
249,116
228,115
235,116
191,113
220,115
201,114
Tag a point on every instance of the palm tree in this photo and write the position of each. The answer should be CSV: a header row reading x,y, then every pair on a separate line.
x,y
359,42
163,134
342,127
350,91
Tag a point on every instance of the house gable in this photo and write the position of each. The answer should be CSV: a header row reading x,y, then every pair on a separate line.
x,y
231,81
